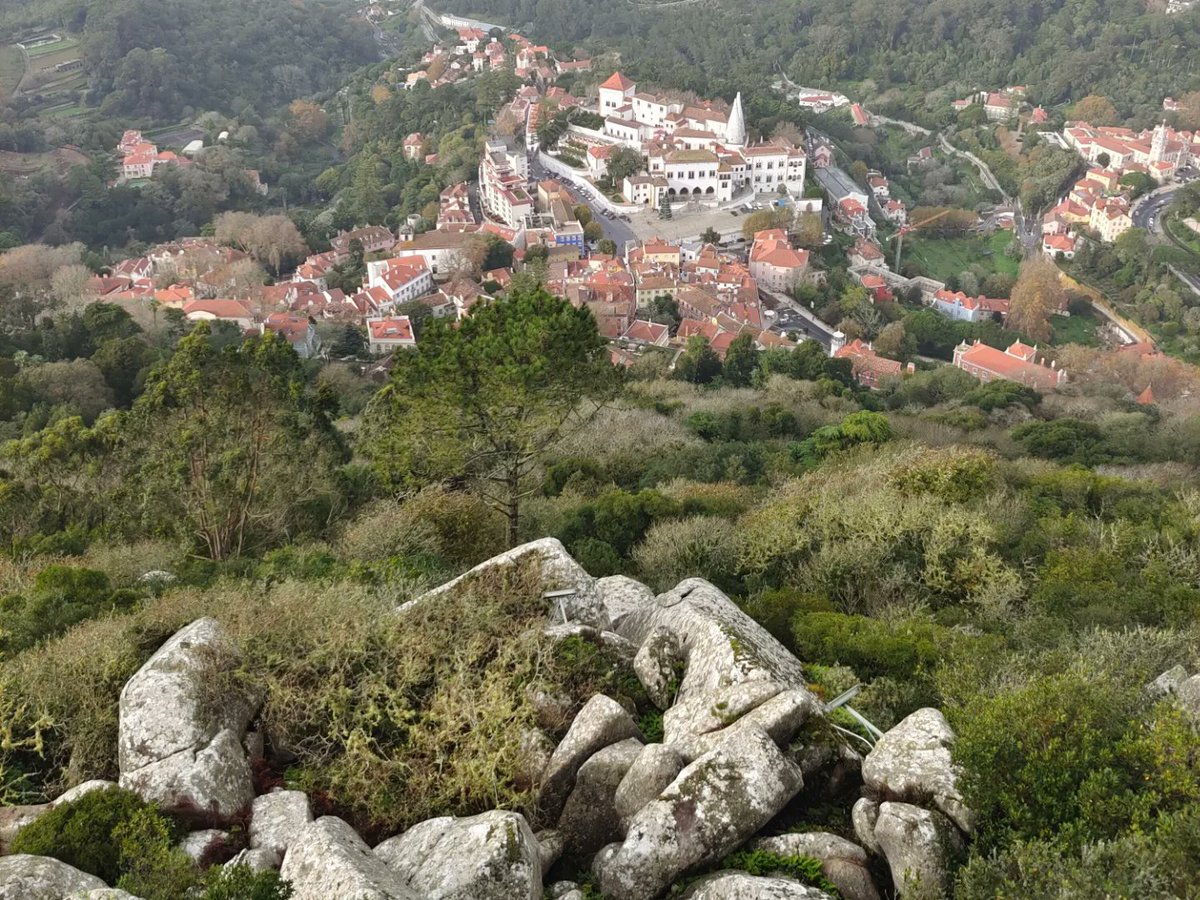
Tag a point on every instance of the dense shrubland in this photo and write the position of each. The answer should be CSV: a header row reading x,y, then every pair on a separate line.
x,y
1026,563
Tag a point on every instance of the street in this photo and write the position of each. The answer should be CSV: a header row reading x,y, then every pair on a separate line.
x,y
620,233
792,318
1147,213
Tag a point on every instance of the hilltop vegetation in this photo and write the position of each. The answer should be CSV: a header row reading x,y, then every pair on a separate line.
x,y
943,543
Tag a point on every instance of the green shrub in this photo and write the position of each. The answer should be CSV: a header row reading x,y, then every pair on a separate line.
x,y
153,866
1067,440
597,557
776,609
804,869
875,648
1049,761
685,548
243,883
61,596
86,832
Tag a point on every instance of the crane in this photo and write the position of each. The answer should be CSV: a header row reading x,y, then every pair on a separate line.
x,y
905,229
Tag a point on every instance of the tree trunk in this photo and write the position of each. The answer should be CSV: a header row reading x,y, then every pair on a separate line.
x,y
512,511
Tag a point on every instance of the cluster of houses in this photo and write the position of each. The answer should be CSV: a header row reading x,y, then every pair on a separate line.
x,y
474,50
1018,362
1159,152
716,295
891,208
1099,203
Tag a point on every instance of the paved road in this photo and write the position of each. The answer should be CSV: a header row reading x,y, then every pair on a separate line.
x,y
910,127
617,231
1191,281
1147,212
791,317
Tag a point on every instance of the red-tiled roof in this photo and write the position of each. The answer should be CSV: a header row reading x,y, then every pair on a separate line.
x,y
617,82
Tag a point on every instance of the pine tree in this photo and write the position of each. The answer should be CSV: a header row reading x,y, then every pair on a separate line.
x,y
664,206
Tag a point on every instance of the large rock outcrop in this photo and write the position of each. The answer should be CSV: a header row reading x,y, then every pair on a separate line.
x,y
590,819
728,658
912,763
180,744
277,820
576,598
491,856
1187,695
656,766
741,886
24,877
601,722
843,863
621,595
714,805
920,846
328,859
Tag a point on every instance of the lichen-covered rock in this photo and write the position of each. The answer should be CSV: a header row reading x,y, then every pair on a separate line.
x,y
276,820
1187,695
622,595
912,762
864,815
714,805
198,843
781,717
1168,682
101,894
14,818
491,856
842,862
656,766
722,648
177,743
550,846
24,877
559,573
560,888
589,818
215,780
712,711
920,846
601,722
742,886
536,750
72,794
329,859
658,664
260,860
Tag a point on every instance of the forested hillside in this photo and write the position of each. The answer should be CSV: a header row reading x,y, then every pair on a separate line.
x,y
903,48
159,59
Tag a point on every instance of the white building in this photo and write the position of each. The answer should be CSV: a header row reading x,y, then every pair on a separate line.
x,y
404,278
385,334
503,177
769,165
